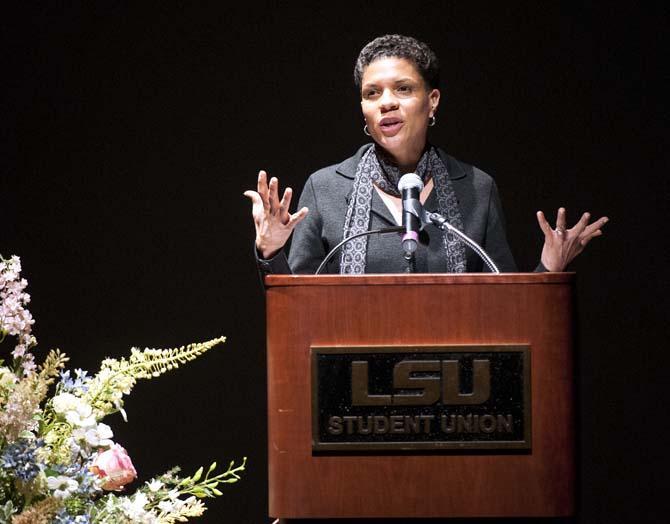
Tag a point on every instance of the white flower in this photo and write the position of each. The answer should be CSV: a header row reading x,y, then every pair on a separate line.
x,y
166,506
133,508
141,499
124,415
85,439
76,418
171,503
154,485
77,412
65,402
99,437
62,486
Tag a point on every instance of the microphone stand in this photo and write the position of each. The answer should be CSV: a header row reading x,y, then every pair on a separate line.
x,y
411,262
441,222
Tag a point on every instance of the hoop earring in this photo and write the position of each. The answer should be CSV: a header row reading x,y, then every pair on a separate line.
x,y
431,121
365,130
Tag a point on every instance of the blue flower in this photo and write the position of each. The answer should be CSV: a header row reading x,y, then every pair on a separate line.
x,y
63,517
20,458
82,474
80,383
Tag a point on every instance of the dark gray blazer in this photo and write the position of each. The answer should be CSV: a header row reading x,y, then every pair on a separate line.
x,y
327,194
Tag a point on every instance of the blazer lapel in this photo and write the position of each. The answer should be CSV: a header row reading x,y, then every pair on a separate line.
x,y
379,208
431,202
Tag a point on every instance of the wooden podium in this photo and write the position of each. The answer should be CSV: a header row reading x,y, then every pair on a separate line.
x,y
533,310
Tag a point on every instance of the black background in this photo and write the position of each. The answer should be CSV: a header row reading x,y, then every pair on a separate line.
x,y
129,135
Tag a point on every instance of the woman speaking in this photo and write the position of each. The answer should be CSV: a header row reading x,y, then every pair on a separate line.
x,y
398,79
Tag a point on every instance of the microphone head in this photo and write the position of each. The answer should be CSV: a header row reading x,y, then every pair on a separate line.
x,y
410,181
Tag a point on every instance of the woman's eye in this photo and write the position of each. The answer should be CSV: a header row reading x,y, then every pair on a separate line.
x,y
404,89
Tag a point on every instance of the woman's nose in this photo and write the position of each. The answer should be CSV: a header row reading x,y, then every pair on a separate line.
x,y
388,101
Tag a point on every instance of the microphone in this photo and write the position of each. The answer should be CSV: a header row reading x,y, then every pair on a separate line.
x,y
410,187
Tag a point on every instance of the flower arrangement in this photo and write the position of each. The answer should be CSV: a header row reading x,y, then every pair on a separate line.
x,y
58,460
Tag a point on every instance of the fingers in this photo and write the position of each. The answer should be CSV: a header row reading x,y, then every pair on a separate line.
x,y
268,193
267,197
273,195
580,226
285,205
263,187
544,225
255,198
598,224
592,231
586,239
297,217
560,221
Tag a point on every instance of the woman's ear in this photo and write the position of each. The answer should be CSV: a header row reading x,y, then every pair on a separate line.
x,y
434,98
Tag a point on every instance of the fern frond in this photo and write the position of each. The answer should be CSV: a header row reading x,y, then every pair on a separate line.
x,y
117,377
154,362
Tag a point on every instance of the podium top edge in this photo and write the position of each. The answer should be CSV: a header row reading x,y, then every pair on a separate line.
x,y
419,279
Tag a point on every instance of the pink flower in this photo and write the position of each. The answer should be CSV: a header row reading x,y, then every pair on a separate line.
x,y
115,467
15,319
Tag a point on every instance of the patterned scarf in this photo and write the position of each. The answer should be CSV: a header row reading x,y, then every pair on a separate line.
x,y
376,168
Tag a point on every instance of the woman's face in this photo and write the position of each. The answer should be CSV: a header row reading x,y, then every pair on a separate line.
x,y
397,106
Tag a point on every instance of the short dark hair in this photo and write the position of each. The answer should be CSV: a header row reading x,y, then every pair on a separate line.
x,y
399,46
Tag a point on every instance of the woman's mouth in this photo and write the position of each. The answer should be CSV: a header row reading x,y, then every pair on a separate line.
x,y
390,126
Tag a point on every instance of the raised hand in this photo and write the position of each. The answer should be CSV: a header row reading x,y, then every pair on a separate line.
x,y
562,245
274,224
